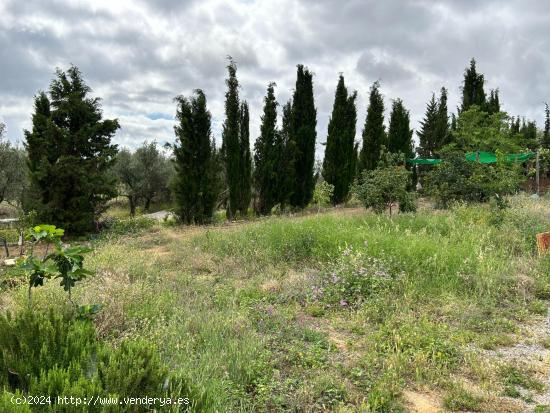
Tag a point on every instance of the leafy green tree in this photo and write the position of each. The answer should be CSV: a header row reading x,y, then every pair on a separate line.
x,y
477,130
70,154
13,168
143,175
130,177
196,183
386,186
374,132
302,134
245,161
400,132
231,150
457,179
472,88
267,150
157,172
322,194
339,162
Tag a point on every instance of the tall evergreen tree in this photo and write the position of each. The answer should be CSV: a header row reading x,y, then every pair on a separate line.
x,y
453,122
196,184
546,132
374,132
70,154
245,161
528,134
284,158
303,135
427,132
515,125
493,104
231,142
442,135
339,162
472,88
400,132
266,151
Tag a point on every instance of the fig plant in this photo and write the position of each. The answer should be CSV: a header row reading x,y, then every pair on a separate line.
x,y
64,262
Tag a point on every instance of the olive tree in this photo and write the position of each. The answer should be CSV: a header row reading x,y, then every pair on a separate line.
x,y
13,171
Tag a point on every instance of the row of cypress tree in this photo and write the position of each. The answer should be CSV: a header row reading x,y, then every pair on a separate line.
x,y
70,151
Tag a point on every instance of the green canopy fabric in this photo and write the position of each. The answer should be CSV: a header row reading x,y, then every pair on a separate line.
x,y
481,157
420,161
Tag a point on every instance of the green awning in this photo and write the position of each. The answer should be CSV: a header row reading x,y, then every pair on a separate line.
x,y
420,161
481,157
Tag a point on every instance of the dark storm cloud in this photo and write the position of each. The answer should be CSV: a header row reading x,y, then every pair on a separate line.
x,y
138,55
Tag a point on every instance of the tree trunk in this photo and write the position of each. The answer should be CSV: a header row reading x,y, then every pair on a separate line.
x,y
147,204
132,206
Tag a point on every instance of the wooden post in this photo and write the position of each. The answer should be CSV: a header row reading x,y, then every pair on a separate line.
x,y
5,247
543,242
538,172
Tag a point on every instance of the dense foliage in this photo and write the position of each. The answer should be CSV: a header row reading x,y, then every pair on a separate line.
x,y
143,175
302,136
458,179
400,132
339,163
267,151
70,154
386,186
236,146
374,133
434,127
196,183
13,177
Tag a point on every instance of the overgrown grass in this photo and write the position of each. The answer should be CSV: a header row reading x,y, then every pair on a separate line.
x,y
338,311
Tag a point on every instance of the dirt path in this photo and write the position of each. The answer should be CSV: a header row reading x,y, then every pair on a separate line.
x,y
531,352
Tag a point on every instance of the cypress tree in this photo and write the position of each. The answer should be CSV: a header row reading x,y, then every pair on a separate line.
x,y
374,132
453,122
515,125
70,154
267,148
400,132
493,105
339,163
472,89
303,135
230,140
245,160
442,135
528,134
196,183
427,132
284,158
546,132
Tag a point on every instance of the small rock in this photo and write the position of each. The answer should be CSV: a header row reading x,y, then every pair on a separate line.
x,y
9,262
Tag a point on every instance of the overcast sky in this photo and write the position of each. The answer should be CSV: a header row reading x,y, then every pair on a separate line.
x,y
138,55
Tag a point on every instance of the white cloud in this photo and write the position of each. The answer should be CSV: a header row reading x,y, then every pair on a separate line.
x,y
138,55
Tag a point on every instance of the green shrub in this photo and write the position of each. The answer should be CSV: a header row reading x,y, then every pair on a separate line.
x,y
56,355
457,179
114,227
459,399
353,278
386,186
